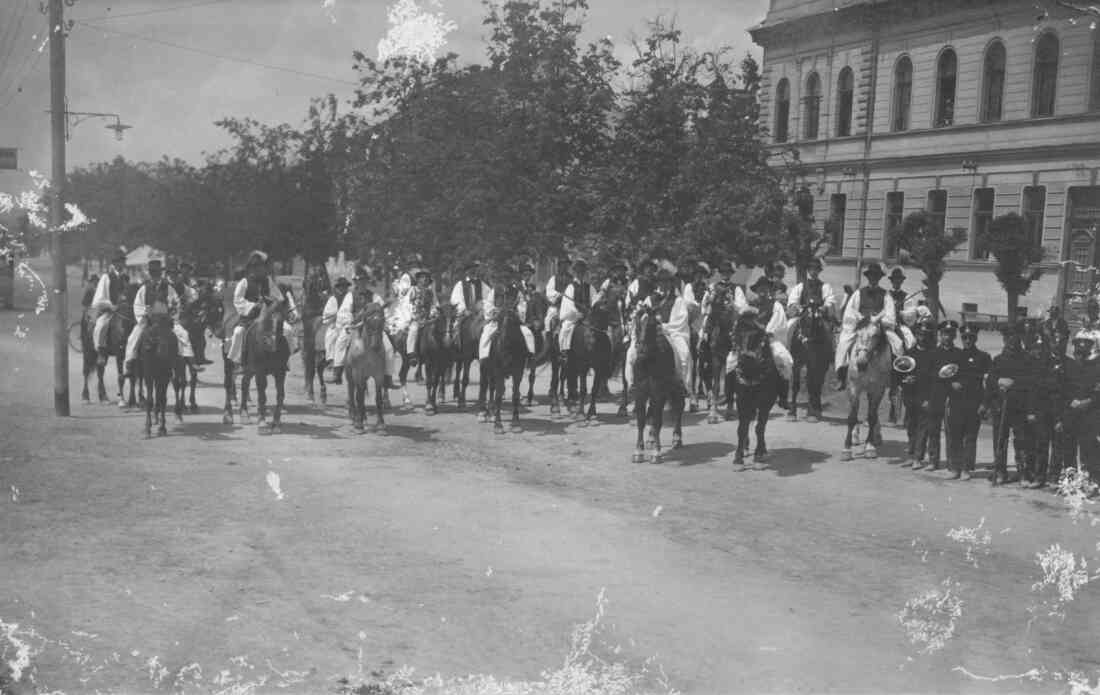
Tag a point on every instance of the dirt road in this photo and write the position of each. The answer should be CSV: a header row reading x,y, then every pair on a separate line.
x,y
135,565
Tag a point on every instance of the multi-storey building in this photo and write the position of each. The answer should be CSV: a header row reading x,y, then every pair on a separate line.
x,y
966,108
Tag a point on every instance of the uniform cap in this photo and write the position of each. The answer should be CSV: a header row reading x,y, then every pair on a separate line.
x,y
949,326
969,329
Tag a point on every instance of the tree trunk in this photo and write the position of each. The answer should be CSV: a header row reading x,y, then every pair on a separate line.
x,y
934,299
1013,302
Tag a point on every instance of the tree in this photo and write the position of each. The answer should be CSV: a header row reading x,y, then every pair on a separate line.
x,y
1017,257
922,243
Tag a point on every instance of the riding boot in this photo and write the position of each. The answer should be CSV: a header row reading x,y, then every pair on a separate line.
x,y
128,369
842,378
388,382
102,359
337,375
193,364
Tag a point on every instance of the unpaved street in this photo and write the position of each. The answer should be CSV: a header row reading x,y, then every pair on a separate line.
x,y
446,548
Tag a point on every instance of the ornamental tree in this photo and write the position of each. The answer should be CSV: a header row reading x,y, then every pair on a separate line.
x,y
922,243
1017,257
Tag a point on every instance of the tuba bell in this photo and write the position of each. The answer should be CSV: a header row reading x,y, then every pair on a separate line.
x,y
904,364
948,371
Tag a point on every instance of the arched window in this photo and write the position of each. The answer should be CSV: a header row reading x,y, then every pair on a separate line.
x,y
993,83
782,109
946,76
1046,75
845,88
811,107
903,94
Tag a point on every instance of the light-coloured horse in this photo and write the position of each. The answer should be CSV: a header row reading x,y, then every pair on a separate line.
x,y
869,374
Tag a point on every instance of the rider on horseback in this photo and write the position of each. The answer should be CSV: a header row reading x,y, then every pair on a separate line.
x,y
257,287
576,301
328,318
774,271
555,286
812,291
642,286
673,308
423,307
110,291
510,295
722,287
870,303
906,317
349,308
157,296
769,314
468,293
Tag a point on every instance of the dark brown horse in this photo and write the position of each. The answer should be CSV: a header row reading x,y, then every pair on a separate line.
x,y
590,350
656,382
507,360
265,353
434,343
546,345
757,386
158,353
205,313
465,341
713,354
812,348
314,332
118,332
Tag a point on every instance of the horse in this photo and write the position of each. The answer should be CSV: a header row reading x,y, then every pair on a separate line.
x,y
507,359
206,312
265,352
546,345
465,342
870,357
812,348
715,350
118,331
398,338
314,359
656,382
590,349
756,382
160,365
366,359
433,344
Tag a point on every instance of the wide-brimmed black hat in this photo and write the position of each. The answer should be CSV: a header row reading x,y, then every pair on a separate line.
x,y
156,264
256,258
580,264
874,270
648,263
618,264
472,265
119,257
814,262
897,274
725,267
421,272
342,282
526,267
1083,341
762,282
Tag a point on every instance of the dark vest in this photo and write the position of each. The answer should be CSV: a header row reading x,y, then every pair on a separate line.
x,y
872,300
899,297
471,291
812,291
582,296
116,288
360,299
156,291
699,287
257,288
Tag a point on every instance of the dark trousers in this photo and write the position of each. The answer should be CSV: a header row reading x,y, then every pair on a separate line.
x,y
1079,445
962,435
1042,434
929,430
1013,422
912,423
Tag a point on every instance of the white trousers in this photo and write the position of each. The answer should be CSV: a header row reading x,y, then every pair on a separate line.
x,y
343,342
565,334
411,337
135,339
780,354
681,352
490,330
101,323
331,334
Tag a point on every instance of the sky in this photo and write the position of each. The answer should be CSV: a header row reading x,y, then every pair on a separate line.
x,y
133,62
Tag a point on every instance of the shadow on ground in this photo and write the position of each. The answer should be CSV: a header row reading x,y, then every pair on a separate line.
x,y
796,461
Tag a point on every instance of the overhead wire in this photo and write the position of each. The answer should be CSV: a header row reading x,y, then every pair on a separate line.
x,y
219,56
143,13
11,41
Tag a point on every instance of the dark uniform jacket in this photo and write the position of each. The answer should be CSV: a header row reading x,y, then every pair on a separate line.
x,y
1018,366
940,388
974,364
1047,387
1080,383
924,372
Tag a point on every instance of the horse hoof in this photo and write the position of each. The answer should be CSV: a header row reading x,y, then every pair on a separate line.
x,y
122,405
693,408
555,410
846,455
162,432
677,443
359,428
792,417
483,418
86,401
246,420
227,419
498,429
657,458
621,412
870,452
638,457
179,419
276,429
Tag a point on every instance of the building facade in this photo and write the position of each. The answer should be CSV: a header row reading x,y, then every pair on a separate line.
x,y
966,108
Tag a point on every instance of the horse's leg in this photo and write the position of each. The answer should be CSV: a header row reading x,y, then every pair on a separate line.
x,y
815,382
677,421
874,399
194,382
714,386
531,384
379,403
640,423
309,366
320,369
498,400
599,381
246,378
853,419
149,406
163,382
745,414
261,397
555,380
227,386
796,386
485,383
517,387
760,454
656,417
280,397
101,388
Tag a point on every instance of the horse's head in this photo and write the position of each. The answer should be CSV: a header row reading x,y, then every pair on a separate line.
x,y
646,331
270,322
867,343
811,321
537,308
750,344
371,322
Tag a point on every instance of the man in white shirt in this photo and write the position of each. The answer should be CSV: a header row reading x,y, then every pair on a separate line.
x,y
492,324
157,296
677,329
555,286
576,302
349,306
641,286
872,303
470,295
769,310
251,291
109,293
333,332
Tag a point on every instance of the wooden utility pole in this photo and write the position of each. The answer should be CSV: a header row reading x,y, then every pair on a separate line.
x,y
57,208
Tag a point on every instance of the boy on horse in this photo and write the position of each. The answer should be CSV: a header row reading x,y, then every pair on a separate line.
x,y
576,302
642,286
673,309
256,287
157,296
870,303
109,293
423,307
555,286
470,294
767,304
507,294
723,286
349,307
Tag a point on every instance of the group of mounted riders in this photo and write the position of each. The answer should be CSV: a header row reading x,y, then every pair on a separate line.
x,y
709,325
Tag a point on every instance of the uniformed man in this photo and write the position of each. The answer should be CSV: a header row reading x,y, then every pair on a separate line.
x,y
1091,326
934,406
1079,426
1007,386
964,404
1056,329
914,390
1044,408
871,303
555,286
109,293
